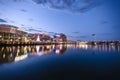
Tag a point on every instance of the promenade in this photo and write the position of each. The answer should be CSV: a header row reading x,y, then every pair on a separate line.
x,y
13,43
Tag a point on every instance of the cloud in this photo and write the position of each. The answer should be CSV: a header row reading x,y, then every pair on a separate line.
x,y
70,36
30,19
15,0
70,5
103,22
116,28
12,21
9,20
1,2
105,34
34,30
23,10
2,20
79,37
93,34
22,25
19,0
39,28
75,32
83,36
51,32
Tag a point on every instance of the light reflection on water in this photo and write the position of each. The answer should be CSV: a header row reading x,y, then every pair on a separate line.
x,y
107,48
17,53
68,62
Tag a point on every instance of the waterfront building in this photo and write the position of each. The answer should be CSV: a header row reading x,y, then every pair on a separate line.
x,y
9,33
60,38
42,37
13,35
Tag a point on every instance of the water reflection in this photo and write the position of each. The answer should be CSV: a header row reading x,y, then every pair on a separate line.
x,y
84,46
107,48
17,53
60,49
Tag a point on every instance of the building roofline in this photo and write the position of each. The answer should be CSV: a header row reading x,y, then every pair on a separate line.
x,y
8,25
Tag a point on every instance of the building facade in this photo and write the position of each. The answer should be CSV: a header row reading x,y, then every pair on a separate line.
x,y
60,38
7,32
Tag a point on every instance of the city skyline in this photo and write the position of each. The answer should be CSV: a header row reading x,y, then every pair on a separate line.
x,y
78,19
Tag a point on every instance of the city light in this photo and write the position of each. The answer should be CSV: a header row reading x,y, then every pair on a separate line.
x,y
22,57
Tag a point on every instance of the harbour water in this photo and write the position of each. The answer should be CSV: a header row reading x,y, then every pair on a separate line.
x,y
60,62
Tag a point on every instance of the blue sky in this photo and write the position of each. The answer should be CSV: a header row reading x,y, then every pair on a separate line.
x,y
78,19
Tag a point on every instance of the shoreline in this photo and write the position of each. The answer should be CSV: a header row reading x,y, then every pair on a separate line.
x,y
32,43
57,43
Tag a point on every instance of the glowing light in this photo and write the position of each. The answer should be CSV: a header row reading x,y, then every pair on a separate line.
x,y
38,38
18,58
3,55
25,49
83,46
38,52
48,46
11,55
57,51
60,47
37,48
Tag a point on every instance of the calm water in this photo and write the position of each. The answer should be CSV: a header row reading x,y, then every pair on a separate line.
x,y
60,62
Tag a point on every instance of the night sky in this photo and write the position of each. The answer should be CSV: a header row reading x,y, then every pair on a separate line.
x,y
78,19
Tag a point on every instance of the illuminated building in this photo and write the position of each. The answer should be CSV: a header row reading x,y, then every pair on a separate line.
x,y
41,37
60,38
9,33
13,35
